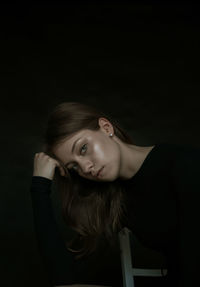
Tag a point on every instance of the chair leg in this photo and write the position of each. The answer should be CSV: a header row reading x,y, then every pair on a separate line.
x,y
126,261
128,271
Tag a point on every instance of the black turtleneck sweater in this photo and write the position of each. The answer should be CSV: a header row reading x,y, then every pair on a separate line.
x,y
162,201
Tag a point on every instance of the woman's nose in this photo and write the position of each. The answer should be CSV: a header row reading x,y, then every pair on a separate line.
x,y
86,166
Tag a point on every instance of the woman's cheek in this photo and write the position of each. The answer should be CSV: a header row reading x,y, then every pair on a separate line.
x,y
98,152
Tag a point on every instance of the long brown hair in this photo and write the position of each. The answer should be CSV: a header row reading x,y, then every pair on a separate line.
x,y
95,210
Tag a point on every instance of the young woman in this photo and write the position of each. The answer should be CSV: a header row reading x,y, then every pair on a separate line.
x,y
107,182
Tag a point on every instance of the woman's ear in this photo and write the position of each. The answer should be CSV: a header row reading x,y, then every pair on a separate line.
x,y
106,126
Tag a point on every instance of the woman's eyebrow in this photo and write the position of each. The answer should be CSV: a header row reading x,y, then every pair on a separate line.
x,y
75,144
73,147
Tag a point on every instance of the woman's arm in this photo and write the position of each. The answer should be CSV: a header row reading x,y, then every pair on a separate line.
x,y
62,268
58,261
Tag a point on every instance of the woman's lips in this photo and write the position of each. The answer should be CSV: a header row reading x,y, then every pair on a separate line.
x,y
100,172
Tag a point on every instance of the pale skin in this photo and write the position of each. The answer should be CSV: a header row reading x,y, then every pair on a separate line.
x,y
93,150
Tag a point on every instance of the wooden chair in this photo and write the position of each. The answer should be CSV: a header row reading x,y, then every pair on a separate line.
x,y
128,271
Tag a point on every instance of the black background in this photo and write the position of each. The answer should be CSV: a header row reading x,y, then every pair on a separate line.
x,y
136,60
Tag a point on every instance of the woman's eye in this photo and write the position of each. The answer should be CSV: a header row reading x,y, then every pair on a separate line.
x,y
75,166
82,148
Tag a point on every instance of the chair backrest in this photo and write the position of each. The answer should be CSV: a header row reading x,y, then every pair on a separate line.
x,y
128,271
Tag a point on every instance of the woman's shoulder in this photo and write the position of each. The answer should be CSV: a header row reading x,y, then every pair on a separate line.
x,y
177,156
179,148
184,158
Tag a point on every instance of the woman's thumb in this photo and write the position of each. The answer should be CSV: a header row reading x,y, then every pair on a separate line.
x,y
62,172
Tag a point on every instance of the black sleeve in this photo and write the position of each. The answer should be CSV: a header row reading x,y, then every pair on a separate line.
x,y
59,262
187,179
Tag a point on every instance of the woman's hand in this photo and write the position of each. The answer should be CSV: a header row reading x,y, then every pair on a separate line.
x,y
45,165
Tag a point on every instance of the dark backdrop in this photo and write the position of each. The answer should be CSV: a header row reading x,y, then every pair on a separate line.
x,y
138,61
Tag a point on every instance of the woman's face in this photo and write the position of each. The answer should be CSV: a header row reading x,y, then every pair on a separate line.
x,y
89,151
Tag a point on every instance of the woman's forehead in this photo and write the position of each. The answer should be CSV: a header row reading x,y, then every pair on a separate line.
x,y
66,147
70,139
